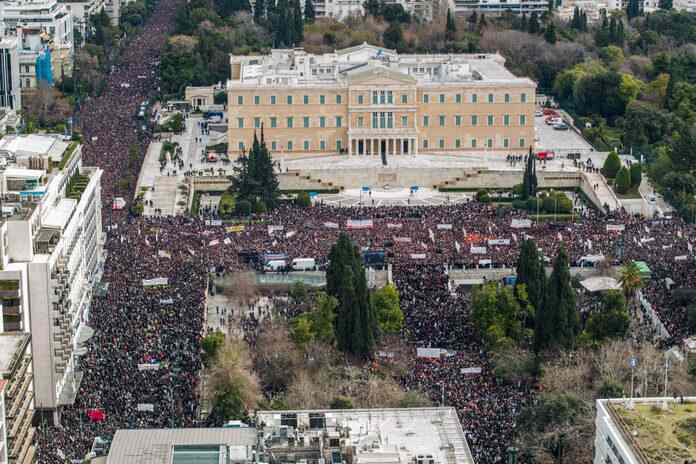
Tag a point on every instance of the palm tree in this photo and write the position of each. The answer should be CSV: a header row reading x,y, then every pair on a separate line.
x,y
630,279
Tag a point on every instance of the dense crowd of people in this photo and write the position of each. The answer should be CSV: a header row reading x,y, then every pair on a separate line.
x,y
141,366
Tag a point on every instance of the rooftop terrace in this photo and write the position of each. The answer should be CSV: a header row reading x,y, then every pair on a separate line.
x,y
659,436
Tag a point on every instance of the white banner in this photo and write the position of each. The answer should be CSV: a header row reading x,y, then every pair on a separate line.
x,y
164,254
394,226
213,222
272,229
647,240
431,235
149,367
433,352
155,282
214,242
418,255
478,250
457,246
227,241
166,301
331,225
291,233
521,223
470,370
680,258
444,227
499,241
354,224
402,239
485,262
616,227
146,407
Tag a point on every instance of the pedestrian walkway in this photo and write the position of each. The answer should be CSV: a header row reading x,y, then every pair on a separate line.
x,y
164,196
603,191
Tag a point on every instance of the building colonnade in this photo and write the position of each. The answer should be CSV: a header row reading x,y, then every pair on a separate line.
x,y
386,145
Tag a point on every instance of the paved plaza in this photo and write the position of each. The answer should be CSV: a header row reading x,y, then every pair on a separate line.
x,y
393,197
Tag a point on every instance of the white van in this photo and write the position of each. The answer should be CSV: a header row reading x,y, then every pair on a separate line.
x,y
304,264
274,265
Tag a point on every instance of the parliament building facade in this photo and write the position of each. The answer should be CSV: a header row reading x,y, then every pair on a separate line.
x,y
367,100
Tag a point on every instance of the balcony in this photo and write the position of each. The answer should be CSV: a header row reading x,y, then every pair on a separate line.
x,y
6,294
11,310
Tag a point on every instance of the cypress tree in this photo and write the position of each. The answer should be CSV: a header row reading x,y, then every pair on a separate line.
x,y
298,23
620,34
451,27
255,177
612,30
355,324
533,27
309,12
575,21
550,34
259,11
523,22
557,324
529,178
530,272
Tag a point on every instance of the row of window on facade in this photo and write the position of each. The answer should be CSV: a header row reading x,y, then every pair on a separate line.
x,y
386,97
386,120
439,144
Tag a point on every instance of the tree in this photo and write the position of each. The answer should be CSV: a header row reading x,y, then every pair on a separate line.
x,y
531,274
341,402
557,323
385,302
309,12
633,9
630,279
611,165
533,27
298,23
211,344
636,175
255,178
356,325
611,320
393,37
623,180
451,27
550,33
497,315
260,11
529,179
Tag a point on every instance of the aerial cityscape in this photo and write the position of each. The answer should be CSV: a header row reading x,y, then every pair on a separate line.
x,y
347,232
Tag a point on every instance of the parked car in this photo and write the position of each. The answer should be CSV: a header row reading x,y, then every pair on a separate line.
x,y
560,126
553,120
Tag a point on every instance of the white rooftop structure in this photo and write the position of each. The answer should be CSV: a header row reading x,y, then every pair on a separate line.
x,y
179,446
600,284
377,436
33,145
294,67
9,342
59,216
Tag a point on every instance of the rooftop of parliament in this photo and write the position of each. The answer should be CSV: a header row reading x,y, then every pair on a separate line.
x,y
367,100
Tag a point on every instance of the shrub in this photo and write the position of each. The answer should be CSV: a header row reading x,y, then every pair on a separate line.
x,y
519,204
260,207
518,190
636,175
483,196
341,402
623,181
611,389
611,165
302,199
691,369
533,204
243,208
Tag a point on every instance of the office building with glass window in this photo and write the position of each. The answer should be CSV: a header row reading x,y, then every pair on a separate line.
x,y
367,100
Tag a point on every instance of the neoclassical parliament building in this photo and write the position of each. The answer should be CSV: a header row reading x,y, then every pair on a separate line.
x,y
367,100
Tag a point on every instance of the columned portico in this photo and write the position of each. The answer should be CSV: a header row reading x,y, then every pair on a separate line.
x,y
390,145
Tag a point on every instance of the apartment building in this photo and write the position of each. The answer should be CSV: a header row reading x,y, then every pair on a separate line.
x,y
496,7
685,5
367,100
44,32
16,393
625,430
10,93
81,11
51,245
